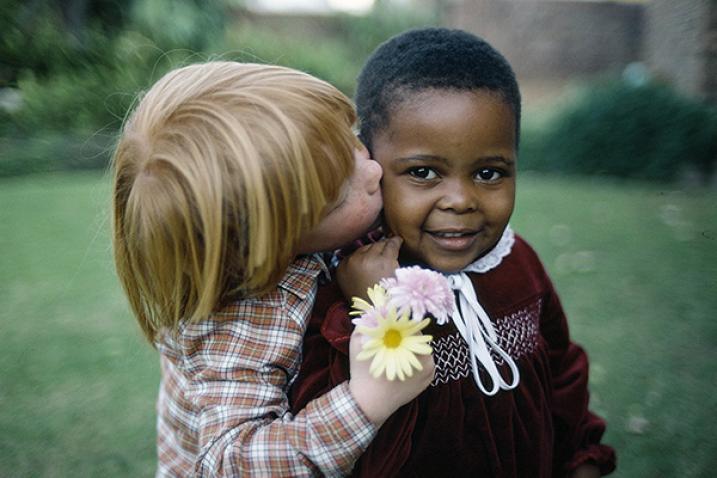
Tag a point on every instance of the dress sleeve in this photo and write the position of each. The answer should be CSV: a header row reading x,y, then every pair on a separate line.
x,y
577,430
239,372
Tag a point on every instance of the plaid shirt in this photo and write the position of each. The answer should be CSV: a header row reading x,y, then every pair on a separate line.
x,y
223,407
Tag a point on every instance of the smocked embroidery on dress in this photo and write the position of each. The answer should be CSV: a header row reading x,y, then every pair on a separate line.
x,y
519,331
518,334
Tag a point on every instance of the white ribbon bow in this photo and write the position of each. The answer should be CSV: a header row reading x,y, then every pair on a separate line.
x,y
475,326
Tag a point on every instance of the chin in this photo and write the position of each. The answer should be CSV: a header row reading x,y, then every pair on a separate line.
x,y
448,269
440,261
446,266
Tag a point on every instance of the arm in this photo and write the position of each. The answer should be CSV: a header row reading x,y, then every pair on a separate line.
x,y
239,372
364,268
241,387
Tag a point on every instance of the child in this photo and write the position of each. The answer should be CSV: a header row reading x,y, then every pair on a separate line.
x,y
440,111
227,178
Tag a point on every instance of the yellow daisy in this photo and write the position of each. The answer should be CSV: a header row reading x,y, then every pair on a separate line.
x,y
369,312
376,294
393,343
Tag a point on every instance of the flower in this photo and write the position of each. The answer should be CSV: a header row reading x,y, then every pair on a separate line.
x,y
393,343
368,312
392,319
419,291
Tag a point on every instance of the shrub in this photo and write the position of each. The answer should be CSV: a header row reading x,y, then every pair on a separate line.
x,y
330,59
363,34
335,54
49,37
54,152
194,25
615,128
76,86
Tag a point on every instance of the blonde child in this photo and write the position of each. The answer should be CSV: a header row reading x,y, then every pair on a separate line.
x,y
440,111
228,178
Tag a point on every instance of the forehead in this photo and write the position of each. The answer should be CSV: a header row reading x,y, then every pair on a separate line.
x,y
445,122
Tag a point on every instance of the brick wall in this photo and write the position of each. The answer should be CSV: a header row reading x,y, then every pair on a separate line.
x,y
555,38
681,44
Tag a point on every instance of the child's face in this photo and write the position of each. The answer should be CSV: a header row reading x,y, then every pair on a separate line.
x,y
354,213
448,159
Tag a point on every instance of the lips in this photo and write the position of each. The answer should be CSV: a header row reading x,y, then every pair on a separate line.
x,y
454,240
451,234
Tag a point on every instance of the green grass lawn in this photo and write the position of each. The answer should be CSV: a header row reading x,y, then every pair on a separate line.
x,y
636,266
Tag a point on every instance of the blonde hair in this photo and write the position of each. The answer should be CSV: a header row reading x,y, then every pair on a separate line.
x,y
217,174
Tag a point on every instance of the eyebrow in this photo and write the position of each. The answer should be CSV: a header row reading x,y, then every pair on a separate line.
x,y
500,159
441,159
422,157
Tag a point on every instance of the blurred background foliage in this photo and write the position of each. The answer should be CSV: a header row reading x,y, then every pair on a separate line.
x,y
72,68
628,128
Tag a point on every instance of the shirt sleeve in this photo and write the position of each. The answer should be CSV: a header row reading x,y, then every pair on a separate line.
x,y
239,371
578,431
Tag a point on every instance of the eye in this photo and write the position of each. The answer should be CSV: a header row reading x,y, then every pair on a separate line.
x,y
423,173
488,175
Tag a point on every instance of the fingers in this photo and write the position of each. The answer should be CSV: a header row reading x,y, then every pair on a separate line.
x,y
391,246
385,247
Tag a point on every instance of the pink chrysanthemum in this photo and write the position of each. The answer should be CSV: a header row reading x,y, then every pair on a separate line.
x,y
420,291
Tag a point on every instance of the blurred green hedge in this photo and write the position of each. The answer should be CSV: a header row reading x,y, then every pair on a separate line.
x,y
622,129
78,80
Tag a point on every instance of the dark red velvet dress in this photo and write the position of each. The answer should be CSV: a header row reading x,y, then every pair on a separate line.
x,y
542,428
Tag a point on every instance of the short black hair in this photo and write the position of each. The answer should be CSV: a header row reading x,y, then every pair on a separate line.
x,y
428,58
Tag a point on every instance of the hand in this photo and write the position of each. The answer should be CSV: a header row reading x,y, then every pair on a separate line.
x,y
367,266
380,397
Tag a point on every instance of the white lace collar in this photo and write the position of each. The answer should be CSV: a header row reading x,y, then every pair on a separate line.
x,y
495,256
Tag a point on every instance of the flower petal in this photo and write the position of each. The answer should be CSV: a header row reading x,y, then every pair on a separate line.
x,y
419,348
365,354
411,359
360,304
390,369
406,363
378,364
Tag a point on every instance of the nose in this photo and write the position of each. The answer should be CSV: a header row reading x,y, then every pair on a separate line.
x,y
375,173
370,170
459,196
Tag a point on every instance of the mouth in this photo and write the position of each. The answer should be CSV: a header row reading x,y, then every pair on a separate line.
x,y
454,240
450,234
